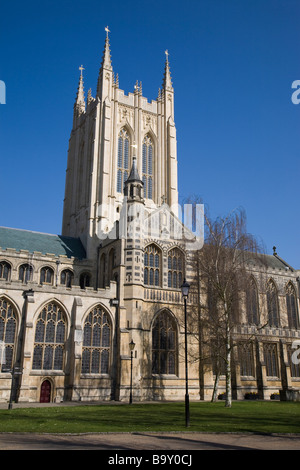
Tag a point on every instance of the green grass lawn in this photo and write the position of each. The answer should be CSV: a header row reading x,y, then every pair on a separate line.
x,y
260,417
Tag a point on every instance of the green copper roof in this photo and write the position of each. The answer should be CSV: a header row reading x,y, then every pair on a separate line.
x,y
41,242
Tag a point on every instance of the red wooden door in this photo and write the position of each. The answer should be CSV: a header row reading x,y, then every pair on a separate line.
x,y
45,392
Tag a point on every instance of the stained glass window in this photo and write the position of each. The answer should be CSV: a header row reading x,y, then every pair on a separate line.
x,y
164,344
123,159
50,336
96,342
8,331
291,306
175,268
152,266
252,303
246,358
147,167
272,304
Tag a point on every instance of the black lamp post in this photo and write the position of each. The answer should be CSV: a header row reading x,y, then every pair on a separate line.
x,y
185,292
131,346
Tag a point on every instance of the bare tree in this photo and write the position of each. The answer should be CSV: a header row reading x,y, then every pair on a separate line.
x,y
223,267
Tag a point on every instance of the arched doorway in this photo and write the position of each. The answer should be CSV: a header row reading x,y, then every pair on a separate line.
x,y
45,396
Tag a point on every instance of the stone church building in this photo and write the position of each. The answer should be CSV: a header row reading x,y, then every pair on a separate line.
x,y
71,304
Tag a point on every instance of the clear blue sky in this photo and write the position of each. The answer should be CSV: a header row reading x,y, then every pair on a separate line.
x,y
232,64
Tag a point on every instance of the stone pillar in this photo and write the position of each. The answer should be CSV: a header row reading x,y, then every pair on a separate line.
x,y
261,370
73,363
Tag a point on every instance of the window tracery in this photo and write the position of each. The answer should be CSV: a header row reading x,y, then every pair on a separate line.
x,y
50,336
164,344
96,342
123,159
147,167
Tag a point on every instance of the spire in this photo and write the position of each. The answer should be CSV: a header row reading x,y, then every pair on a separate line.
x,y
134,174
106,60
104,86
167,82
134,186
80,101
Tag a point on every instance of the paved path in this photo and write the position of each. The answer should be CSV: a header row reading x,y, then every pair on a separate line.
x,y
112,442
147,441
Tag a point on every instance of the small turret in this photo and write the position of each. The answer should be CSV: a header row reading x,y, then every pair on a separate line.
x,y
134,186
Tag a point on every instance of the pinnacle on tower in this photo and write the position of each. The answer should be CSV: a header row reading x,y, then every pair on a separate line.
x,y
105,66
80,101
106,60
167,81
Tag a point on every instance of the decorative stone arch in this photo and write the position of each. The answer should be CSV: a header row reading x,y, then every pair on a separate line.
x,y
52,300
125,124
46,393
151,134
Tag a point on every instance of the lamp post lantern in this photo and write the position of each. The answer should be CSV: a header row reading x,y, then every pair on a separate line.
x,y
131,347
185,292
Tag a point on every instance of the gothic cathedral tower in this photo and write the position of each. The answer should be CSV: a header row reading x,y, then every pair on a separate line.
x,y
108,131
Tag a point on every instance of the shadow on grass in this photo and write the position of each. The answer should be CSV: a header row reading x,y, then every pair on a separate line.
x,y
260,417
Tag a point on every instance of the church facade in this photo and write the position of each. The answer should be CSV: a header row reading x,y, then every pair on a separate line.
x,y
71,304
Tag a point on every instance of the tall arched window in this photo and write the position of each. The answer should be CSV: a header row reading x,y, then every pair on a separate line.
x,y
25,273
96,342
175,268
47,275
152,266
164,344
50,337
272,304
4,270
123,159
8,331
147,167
252,302
291,306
